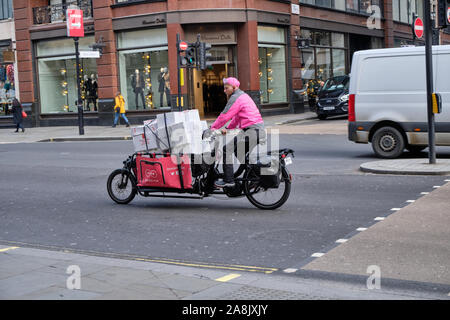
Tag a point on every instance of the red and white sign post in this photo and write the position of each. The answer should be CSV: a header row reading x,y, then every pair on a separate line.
x,y
75,29
418,28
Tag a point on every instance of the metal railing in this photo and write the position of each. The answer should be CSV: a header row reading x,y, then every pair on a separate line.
x,y
57,12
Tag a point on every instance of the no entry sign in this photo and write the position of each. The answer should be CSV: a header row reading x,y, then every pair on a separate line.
x,y
418,28
183,46
448,15
75,26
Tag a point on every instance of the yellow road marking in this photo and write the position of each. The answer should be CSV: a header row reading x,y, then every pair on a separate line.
x,y
7,249
228,277
241,268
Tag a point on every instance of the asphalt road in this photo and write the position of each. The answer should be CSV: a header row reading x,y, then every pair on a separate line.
x,y
54,195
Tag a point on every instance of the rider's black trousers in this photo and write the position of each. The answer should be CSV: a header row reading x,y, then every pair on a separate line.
x,y
242,144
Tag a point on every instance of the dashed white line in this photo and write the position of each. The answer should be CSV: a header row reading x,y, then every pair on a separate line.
x,y
379,218
424,193
396,209
317,255
435,187
341,240
411,201
448,180
361,229
290,270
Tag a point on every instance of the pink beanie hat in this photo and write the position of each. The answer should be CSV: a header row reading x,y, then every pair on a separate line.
x,y
232,81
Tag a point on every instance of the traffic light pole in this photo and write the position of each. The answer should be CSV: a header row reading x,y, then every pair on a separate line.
x,y
428,28
178,73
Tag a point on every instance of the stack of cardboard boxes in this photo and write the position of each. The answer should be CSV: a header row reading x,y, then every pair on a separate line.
x,y
175,132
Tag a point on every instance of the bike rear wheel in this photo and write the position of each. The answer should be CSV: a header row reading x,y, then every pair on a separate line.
x,y
121,186
266,199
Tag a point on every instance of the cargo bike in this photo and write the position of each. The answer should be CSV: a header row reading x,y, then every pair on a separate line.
x,y
265,182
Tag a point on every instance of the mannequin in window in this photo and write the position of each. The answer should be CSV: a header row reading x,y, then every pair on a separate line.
x,y
91,92
138,83
167,85
162,87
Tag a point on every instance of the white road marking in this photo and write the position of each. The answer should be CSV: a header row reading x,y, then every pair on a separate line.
x,y
341,240
379,218
361,229
411,201
396,209
436,187
290,270
317,255
424,193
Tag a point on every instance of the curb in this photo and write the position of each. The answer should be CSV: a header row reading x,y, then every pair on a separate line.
x,y
293,121
85,139
376,167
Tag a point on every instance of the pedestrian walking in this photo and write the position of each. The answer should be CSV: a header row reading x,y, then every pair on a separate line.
x,y
119,109
17,115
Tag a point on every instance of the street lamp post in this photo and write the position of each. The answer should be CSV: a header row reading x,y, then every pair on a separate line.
x,y
79,101
428,29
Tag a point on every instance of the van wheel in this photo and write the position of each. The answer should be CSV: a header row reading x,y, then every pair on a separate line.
x,y
388,142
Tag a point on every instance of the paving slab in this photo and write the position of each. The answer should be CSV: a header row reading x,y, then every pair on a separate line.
x,y
411,244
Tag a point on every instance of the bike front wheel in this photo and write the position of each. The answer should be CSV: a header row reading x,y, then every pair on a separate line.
x,y
121,186
266,198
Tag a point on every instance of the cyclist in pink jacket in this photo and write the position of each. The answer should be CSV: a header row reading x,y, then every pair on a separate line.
x,y
245,115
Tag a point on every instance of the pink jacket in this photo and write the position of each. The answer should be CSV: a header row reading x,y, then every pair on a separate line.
x,y
241,109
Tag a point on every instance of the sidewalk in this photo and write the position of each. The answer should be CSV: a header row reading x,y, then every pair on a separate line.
x,y
36,274
98,133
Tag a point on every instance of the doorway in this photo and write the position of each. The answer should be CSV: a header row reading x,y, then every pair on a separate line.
x,y
206,86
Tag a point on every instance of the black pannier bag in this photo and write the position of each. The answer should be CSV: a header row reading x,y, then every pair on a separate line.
x,y
269,171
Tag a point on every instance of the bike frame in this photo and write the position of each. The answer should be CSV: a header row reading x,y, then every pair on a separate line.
x,y
204,184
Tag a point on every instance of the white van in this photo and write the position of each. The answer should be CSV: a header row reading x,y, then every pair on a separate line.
x,y
387,99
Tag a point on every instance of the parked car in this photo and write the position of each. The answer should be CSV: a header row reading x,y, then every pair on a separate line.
x,y
388,101
332,98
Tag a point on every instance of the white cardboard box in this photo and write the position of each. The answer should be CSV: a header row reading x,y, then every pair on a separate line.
x,y
171,118
191,115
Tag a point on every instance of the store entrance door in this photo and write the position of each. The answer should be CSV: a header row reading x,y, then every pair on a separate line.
x,y
214,99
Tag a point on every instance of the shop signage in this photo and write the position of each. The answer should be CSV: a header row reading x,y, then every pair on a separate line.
x,y
418,28
212,35
75,27
295,9
90,54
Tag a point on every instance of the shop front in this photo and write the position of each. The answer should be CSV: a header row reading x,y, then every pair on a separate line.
x,y
57,77
7,80
144,75
272,65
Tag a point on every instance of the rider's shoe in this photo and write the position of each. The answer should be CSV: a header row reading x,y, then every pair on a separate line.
x,y
222,184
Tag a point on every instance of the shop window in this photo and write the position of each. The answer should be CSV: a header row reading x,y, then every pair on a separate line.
x,y
58,85
321,61
357,6
144,69
272,71
145,78
57,76
272,64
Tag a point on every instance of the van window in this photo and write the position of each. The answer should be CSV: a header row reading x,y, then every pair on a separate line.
x,y
386,74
